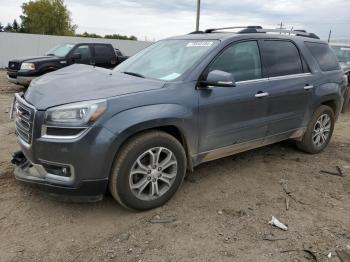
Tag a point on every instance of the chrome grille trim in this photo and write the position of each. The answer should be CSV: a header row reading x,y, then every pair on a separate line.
x,y
24,119
14,65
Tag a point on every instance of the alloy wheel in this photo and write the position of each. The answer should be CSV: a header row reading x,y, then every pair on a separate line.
x,y
153,173
322,130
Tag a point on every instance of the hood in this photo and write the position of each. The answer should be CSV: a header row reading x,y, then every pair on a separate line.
x,y
81,83
33,59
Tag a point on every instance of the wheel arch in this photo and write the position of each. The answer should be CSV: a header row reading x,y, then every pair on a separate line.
x,y
172,119
170,129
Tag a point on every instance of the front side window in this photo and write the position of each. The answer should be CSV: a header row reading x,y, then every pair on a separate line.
x,y
242,60
167,59
282,58
84,50
324,56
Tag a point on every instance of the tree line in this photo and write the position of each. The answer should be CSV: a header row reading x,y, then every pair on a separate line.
x,y
50,17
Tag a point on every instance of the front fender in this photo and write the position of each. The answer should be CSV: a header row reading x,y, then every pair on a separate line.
x,y
132,121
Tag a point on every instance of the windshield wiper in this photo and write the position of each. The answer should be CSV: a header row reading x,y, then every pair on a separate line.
x,y
133,74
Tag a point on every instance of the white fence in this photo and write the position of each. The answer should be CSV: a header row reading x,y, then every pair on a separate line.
x,y
14,45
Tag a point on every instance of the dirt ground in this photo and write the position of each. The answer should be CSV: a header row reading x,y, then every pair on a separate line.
x,y
221,212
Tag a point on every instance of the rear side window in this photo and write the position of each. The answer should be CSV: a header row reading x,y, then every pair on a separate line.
x,y
282,58
324,56
103,51
242,60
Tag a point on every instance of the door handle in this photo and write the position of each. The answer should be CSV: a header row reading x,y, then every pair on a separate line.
x,y
308,87
262,94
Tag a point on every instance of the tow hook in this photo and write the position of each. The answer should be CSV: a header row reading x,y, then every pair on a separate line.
x,y
18,158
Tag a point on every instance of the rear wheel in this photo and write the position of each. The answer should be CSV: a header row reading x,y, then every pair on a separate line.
x,y
319,131
148,170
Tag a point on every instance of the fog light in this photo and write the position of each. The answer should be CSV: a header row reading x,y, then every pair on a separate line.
x,y
64,171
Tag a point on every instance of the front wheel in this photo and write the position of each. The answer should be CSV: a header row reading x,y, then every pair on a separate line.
x,y
319,131
148,170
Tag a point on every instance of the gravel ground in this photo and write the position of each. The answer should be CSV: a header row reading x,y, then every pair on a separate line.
x,y
221,212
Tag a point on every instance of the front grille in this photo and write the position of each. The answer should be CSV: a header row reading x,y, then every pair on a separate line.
x,y
24,119
14,65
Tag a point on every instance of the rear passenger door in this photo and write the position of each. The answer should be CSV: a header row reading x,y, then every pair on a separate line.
x,y
104,56
290,86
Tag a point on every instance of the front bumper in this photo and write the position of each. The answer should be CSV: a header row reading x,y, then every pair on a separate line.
x,y
87,159
21,80
36,175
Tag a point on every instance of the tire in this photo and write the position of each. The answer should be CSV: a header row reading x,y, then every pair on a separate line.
x,y
346,99
142,147
308,144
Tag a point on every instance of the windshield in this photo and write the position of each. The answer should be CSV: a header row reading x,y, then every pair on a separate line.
x,y
60,50
343,53
166,60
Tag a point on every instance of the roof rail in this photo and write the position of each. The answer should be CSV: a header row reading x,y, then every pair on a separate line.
x,y
232,27
259,29
281,31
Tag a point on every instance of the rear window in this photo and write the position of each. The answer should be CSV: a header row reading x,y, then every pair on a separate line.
x,y
324,56
103,51
282,58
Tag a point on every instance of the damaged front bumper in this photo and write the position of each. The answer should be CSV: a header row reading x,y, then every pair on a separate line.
x,y
39,175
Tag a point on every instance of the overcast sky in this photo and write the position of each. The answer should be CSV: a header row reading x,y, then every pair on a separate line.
x,y
157,19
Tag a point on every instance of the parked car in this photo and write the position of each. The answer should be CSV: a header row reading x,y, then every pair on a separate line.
x,y
23,70
176,104
343,53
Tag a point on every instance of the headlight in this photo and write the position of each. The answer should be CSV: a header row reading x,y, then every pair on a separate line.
x,y
77,114
28,66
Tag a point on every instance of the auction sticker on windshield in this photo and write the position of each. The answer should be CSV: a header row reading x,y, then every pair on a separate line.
x,y
199,44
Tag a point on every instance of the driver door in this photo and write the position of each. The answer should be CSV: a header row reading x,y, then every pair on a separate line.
x,y
231,116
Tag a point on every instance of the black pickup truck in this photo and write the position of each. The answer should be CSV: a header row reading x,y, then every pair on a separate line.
x,y
23,70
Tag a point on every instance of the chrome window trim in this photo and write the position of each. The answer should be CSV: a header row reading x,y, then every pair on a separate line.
x,y
274,78
253,81
289,76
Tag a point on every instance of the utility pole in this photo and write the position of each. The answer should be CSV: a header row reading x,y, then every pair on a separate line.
x,y
198,14
281,26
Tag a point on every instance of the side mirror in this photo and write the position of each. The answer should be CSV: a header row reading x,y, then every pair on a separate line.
x,y
76,56
219,78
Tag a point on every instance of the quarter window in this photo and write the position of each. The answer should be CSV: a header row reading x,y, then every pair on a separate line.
x,y
325,57
282,58
242,60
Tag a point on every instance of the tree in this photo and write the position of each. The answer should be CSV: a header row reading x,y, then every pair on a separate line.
x,y
49,17
122,37
1,27
15,26
92,35
8,28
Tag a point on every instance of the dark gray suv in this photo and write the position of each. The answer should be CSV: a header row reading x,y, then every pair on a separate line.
x,y
178,103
